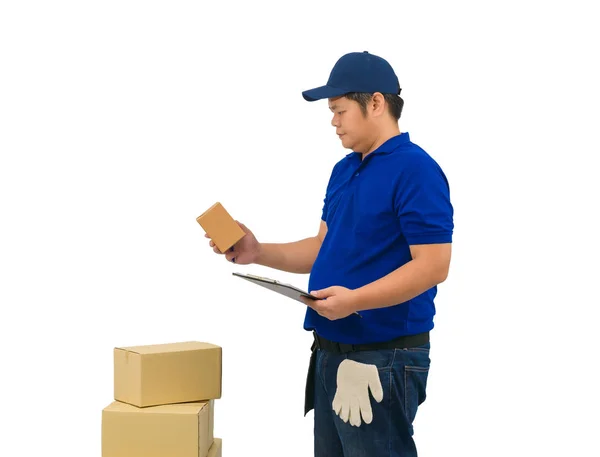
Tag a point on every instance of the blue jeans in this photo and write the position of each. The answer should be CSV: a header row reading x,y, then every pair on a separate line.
x,y
403,374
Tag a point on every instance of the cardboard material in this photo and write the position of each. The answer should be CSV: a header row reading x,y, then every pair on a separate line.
x,y
216,449
220,227
182,430
211,418
162,374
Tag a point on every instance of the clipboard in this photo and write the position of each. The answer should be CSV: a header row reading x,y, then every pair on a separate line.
x,y
288,290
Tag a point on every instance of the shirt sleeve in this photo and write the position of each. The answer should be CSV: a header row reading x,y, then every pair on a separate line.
x,y
422,203
325,208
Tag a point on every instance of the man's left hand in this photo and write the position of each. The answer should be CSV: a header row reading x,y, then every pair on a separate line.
x,y
335,302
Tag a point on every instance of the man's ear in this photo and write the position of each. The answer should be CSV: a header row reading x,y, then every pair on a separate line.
x,y
378,104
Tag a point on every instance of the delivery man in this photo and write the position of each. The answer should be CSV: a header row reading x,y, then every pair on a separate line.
x,y
383,246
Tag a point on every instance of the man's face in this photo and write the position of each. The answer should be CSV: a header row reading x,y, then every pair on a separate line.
x,y
351,125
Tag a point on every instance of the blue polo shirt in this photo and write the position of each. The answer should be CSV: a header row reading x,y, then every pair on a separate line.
x,y
374,210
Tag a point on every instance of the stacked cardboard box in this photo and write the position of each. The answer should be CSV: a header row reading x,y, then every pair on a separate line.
x,y
164,401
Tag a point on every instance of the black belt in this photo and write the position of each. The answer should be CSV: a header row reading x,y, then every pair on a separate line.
x,y
406,341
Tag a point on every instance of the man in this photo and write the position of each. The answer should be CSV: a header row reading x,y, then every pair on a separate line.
x,y
383,246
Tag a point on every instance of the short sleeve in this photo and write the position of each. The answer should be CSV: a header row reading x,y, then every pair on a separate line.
x,y
422,203
325,208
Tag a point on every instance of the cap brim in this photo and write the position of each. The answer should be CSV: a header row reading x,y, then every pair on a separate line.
x,y
319,93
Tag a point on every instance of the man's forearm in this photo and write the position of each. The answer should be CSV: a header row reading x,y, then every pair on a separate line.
x,y
403,284
295,257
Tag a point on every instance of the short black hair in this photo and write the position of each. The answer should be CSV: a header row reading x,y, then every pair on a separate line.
x,y
394,102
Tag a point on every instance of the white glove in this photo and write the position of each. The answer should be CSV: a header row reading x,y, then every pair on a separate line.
x,y
352,395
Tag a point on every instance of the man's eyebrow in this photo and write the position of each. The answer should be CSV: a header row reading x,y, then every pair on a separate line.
x,y
333,107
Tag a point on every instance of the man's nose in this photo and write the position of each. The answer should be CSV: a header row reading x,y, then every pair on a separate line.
x,y
335,121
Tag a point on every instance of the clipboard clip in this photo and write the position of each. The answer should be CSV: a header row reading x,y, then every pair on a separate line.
x,y
274,281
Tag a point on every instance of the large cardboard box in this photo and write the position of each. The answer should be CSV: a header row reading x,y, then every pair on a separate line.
x,y
162,374
182,430
216,448
220,227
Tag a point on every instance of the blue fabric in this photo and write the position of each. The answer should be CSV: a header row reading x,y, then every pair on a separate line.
x,y
374,210
403,375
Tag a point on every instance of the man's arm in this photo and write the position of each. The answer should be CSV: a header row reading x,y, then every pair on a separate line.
x,y
429,266
295,257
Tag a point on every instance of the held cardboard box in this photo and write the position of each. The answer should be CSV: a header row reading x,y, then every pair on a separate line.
x,y
161,374
216,449
182,430
220,227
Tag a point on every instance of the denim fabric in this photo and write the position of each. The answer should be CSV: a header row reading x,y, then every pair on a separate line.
x,y
403,374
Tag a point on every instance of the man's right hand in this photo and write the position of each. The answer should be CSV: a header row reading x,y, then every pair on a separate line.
x,y
244,252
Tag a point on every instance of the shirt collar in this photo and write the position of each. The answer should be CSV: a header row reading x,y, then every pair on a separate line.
x,y
393,143
390,145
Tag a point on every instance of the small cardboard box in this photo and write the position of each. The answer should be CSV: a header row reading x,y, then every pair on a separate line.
x,y
182,430
162,374
220,227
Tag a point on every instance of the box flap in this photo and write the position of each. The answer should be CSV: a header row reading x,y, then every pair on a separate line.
x,y
180,408
169,347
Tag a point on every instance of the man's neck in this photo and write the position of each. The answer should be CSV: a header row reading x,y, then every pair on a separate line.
x,y
382,138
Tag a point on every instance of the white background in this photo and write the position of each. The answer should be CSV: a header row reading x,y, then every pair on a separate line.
x,y
122,121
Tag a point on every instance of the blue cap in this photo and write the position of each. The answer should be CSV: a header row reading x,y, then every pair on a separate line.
x,y
357,72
